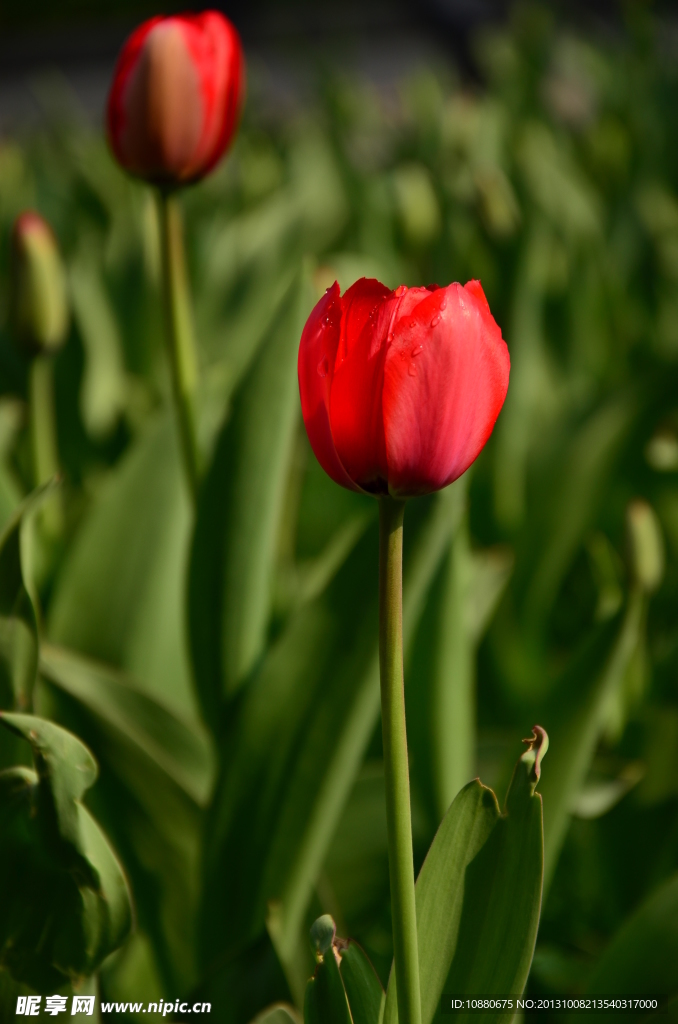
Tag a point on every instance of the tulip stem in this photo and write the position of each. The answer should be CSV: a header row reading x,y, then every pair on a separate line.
x,y
396,769
43,437
179,332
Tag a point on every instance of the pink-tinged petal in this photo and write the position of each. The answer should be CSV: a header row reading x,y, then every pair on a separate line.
x,y
317,354
445,380
355,403
164,111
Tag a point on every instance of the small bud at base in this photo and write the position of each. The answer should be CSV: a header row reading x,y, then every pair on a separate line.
x,y
38,294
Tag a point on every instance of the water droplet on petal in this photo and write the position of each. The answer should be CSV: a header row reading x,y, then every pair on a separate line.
x,y
323,367
413,323
400,290
390,336
436,320
416,351
412,370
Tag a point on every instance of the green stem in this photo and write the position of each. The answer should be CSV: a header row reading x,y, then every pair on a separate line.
x,y
43,436
397,779
179,332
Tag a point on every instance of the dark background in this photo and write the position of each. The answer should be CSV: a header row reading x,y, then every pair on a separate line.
x,y
72,45
39,33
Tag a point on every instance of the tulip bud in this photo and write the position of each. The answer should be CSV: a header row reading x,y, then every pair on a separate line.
x,y
38,299
646,546
176,96
323,932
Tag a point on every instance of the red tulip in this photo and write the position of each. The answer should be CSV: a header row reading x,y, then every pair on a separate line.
x,y
176,96
400,390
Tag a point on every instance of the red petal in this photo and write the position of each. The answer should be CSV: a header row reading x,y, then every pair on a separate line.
x,y
355,406
317,354
358,303
476,289
445,381
217,52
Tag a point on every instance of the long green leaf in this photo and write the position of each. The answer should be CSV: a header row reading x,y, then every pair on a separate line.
x,y
234,546
69,906
366,997
103,390
296,739
441,697
179,748
642,958
246,983
278,1015
440,890
567,511
325,1000
576,716
119,597
155,772
479,895
10,495
19,641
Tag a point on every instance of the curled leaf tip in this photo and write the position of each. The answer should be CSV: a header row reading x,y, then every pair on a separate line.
x,y
323,932
537,745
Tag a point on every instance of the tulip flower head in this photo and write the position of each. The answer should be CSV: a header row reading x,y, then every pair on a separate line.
x,y
176,97
38,294
400,389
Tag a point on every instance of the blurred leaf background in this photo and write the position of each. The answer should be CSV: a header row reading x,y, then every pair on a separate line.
x,y
222,668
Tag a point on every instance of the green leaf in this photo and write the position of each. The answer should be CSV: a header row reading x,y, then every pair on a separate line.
x,y
502,901
642,958
452,712
69,906
119,597
576,715
440,890
479,893
155,776
602,791
249,323
179,748
242,985
103,390
325,1000
18,607
441,695
567,508
344,987
366,997
296,738
356,865
561,512
280,1014
234,546
10,495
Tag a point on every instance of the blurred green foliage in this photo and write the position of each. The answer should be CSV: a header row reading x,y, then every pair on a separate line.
x,y
224,672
